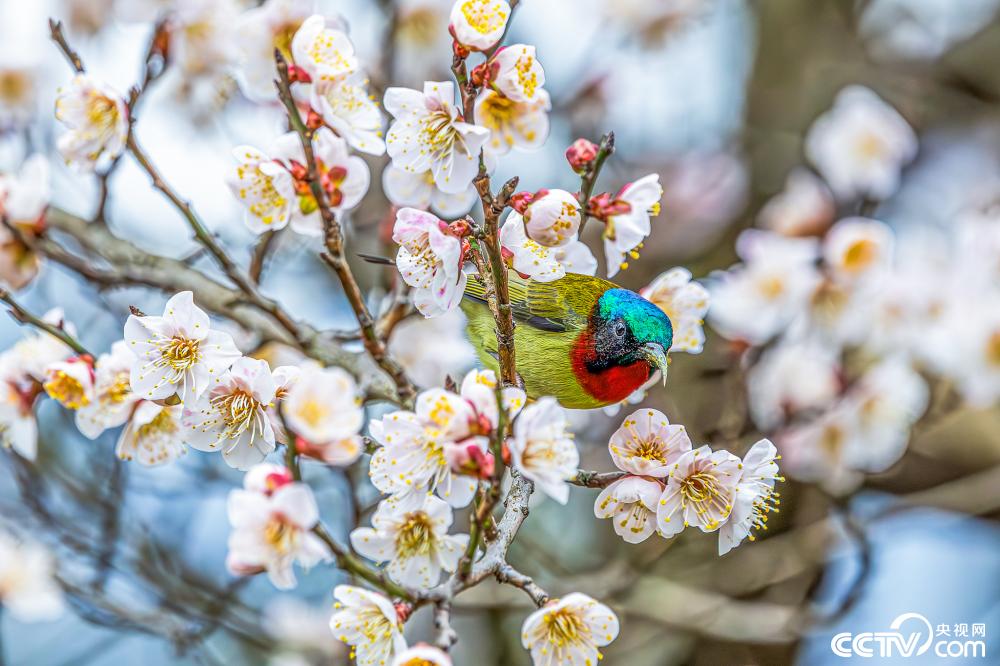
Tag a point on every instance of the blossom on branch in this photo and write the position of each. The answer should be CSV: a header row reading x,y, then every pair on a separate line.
x,y
265,187
71,382
521,125
29,590
325,53
570,630
543,450
97,119
516,73
699,492
429,133
368,622
349,110
478,24
430,260
323,409
627,222
422,655
540,262
552,218
685,302
413,538
418,190
153,436
178,350
755,496
112,400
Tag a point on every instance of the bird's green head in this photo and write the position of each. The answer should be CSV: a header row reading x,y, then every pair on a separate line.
x,y
627,328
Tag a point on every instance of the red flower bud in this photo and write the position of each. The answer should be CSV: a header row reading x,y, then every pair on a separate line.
x,y
298,75
460,228
403,611
313,120
580,154
521,201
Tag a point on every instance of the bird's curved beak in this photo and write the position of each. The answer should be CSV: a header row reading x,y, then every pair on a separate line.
x,y
657,358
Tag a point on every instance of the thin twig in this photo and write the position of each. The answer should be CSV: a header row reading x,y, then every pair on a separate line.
x,y
588,180
20,314
589,479
55,28
260,252
446,636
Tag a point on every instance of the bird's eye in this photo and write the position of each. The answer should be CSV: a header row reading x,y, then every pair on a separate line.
x,y
620,329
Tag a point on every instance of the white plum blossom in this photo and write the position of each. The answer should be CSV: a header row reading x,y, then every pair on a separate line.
x,y
521,125
418,190
422,655
542,450
630,503
857,248
323,407
569,630
368,622
273,531
260,31
790,377
553,219
24,195
518,75
70,382
344,178
231,416
971,355
429,133
685,302
755,496
861,145
264,187
478,24
647,444
112,400
18,91
700,490
444,349
29,591
804,207
430,260
625,231
97,119
177,351
325,53
153,436
542,263
348,108
413,537
755,300
265,478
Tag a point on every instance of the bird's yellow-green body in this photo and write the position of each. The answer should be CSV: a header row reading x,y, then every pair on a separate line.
x,y
581,339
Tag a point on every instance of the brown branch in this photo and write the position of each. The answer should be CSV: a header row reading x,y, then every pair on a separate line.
x,y
446,636
56,32
259,256
589,479
588,180
511,576
18,312
334,241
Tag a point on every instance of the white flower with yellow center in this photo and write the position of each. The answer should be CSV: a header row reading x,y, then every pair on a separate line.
x,y
630,503
154,435
624,232
272,532
18,425
757,299
755,496
29,591
857,249
368,622
418,190
97,119
323,407
518,74
429,134
540,262
444,349
325,53
543,450
413,537
553,219
70,383
264,187
861,145
522,125
699,491
647,444
349,109
422,655
430,260
231,416
478,24
262,30
685,302
112,399
569,631
804,207
18,93
792,376
24,195
177,352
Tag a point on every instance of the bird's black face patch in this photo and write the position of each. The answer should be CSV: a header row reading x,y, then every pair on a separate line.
x,y
614,344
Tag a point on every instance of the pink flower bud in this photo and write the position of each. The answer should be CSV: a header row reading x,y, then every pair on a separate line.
x,y
520,201
468,458
580,154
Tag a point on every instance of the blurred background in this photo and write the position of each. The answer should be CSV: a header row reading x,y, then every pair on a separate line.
x,y
718,97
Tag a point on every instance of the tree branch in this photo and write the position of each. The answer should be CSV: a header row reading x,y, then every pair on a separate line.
x,y
18,312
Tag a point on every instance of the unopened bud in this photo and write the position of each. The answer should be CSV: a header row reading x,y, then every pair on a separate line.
x,y
468,458
313,120
298,75
521,201
403,611
580,154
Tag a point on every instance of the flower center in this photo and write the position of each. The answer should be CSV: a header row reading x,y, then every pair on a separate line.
x,y
14,86
870,146
67,389
263,195
280,535
120,389
993,349
859,255
483,16
563,627
312,412
162,424
649,450
418,662
439,135
525,76
416,536
180,354
240,411
771,287
102,112
700,487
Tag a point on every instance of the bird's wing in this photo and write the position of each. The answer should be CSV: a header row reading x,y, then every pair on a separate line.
x,y
559,306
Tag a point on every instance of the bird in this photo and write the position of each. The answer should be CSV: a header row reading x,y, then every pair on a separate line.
x,y
581,339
